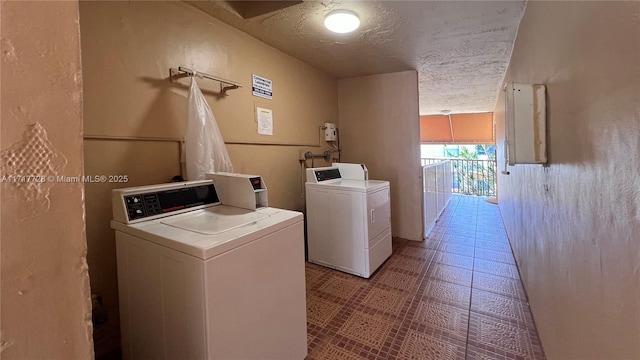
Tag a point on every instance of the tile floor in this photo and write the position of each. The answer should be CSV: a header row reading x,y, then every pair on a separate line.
x,y
457,295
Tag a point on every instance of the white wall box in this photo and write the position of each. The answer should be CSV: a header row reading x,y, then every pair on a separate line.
x,y
526,124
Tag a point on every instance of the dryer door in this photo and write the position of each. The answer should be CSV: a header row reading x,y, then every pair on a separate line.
x,y
379,212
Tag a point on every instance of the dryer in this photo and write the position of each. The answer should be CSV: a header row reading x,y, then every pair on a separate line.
x,y
348,219
198,279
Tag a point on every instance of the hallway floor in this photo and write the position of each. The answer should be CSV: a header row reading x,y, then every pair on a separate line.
x,y
457,295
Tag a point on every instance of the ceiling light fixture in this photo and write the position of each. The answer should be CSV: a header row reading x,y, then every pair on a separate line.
x,y
342,21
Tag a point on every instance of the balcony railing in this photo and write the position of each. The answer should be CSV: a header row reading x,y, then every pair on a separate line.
x,y
436,190
471,177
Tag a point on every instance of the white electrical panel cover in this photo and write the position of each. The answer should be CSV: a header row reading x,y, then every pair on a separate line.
x,y
526,124
330,132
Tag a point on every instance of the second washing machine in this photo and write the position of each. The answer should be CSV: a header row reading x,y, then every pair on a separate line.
x,y
348,219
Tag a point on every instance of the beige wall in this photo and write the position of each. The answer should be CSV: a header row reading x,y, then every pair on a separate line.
x,y
380,127
575,225
46,307
127,50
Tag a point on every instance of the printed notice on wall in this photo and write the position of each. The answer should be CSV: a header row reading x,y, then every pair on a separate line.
x,y
262,87
265,121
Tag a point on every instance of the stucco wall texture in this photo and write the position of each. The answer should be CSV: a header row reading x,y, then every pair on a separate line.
x,y
575,225
46,306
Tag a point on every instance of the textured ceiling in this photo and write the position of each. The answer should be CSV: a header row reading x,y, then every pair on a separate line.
x,y
460,49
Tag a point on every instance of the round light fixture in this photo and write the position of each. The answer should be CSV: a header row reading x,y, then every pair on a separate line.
x,y
445,112
342,21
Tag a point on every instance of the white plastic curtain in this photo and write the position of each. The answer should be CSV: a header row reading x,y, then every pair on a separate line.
x,y
204,145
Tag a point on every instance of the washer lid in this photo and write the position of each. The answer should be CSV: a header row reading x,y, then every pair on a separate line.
x,y
214,220
179,233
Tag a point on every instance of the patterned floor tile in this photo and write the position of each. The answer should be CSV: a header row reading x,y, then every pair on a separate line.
x,y
467,207
341,287
451,274
431,243
459,231
385,300
432,239
367,329
489,211
502,307
310,338
439,227
406,263
489,221
496,268
398,280
397,242
474,353
499,337
465,225
460,220
331,350
313,276
498,284
445,217
454,260
453,320
492,255
490,215
492,245
450,293
321,311
461,240
424,347
492,237
417,252
456,248
418,307
490,230
463,214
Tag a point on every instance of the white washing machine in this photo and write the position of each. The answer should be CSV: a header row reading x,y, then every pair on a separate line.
x,y
201,280
348,219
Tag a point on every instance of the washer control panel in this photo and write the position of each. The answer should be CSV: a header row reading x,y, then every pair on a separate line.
x,y
139,206
256,182
329,174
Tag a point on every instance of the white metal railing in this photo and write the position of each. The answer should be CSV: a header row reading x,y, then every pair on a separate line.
x,y
436,190
470,176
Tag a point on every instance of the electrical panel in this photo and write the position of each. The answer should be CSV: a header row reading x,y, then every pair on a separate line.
x,y
330,132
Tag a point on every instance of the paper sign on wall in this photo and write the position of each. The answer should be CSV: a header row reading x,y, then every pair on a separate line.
x,y
265,121
262,87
